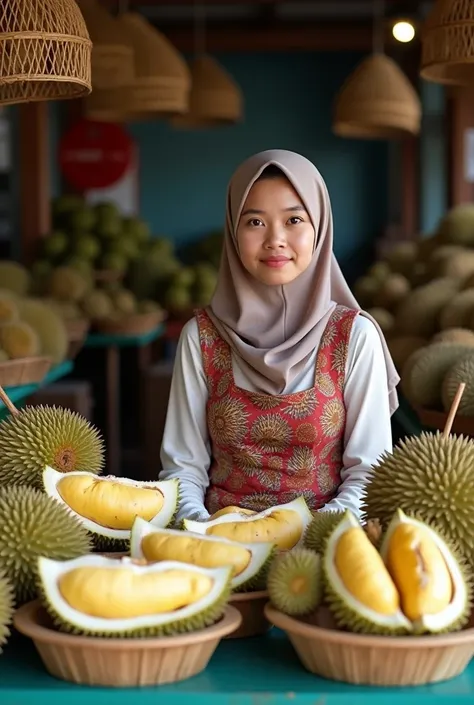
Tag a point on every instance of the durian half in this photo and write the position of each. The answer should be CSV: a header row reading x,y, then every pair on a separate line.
x,y
99,596
250,562
283,525
107,506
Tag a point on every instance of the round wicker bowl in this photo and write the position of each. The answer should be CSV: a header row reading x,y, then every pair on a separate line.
x,y
251,607
374,660
122,663
134,324
26,370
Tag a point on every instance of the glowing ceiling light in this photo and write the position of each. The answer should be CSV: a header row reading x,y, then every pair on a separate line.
x,y
403,31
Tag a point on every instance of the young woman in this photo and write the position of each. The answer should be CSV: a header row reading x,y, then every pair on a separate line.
x,y
282,386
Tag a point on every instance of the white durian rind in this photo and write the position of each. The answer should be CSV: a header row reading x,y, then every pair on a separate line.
x,y
190,618
105,537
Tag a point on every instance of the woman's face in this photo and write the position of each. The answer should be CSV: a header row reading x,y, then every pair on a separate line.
x,y
275,234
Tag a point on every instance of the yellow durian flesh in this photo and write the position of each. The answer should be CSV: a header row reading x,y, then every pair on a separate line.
x,y
122,594
363,573
419,571
358,587
111,504
231,510
283,527
208,554
431,582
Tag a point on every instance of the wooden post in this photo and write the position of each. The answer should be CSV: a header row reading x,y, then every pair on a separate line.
x,y
34,188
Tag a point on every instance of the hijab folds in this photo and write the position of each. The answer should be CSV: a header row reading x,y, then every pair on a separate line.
x,y
274,329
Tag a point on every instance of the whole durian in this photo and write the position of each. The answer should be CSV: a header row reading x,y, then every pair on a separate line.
x,y
33,525
457,313
402,347
461,371
392,291
295,582
42,436
430,477
8,308
67,284
419,311
6,608
19,340
14,277
319,529
49,327
463,336
424,371
383,317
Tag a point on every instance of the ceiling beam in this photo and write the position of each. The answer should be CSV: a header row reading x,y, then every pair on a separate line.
x,y
290,37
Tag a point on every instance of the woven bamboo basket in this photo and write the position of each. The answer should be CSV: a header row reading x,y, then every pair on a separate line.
x,y
45,51
251,607
377,101
162,79
122,663
447,43
112,54
77,333
134,324
215,97
27,370
374,660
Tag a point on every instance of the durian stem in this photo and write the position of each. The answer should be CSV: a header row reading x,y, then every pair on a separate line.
x,y
8,402
453,410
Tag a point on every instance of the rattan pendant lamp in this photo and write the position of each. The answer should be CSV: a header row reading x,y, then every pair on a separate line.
x,y
45,51
112,54
215,98
377,101
447,41
162,80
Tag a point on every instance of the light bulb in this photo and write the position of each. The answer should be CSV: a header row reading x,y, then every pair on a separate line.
x,y
403,31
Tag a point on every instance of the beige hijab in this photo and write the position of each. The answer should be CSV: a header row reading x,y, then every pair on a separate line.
x,y
274,329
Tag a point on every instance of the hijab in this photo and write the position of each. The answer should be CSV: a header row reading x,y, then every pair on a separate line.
x,y
274,329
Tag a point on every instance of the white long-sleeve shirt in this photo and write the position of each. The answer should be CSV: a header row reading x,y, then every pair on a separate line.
x,y
186,447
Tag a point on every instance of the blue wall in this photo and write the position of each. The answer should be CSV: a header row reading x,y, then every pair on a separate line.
x,y
433,157
288,101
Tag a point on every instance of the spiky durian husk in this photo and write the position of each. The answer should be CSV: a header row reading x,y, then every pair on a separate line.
x,y
431,476
106,544
32,525
464,567
259,580
47,435
286,567
319,529
205,618
6,608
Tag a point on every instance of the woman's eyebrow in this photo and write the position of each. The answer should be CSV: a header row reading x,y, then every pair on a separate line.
x,y
255,211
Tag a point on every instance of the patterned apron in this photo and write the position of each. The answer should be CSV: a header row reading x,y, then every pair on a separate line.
x,y
267,450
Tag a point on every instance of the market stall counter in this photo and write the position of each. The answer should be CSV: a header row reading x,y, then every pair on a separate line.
x,y
256,671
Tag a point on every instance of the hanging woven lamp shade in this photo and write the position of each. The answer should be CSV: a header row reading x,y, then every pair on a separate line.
x,y
45,51
215,97
377,101
447,54
112,54
105,105
162,80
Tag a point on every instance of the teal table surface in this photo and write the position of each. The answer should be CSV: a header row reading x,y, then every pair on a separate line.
x,y
98,340
258,671
55,373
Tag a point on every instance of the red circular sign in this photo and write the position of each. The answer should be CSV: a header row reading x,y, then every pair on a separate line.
x,y
95,154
